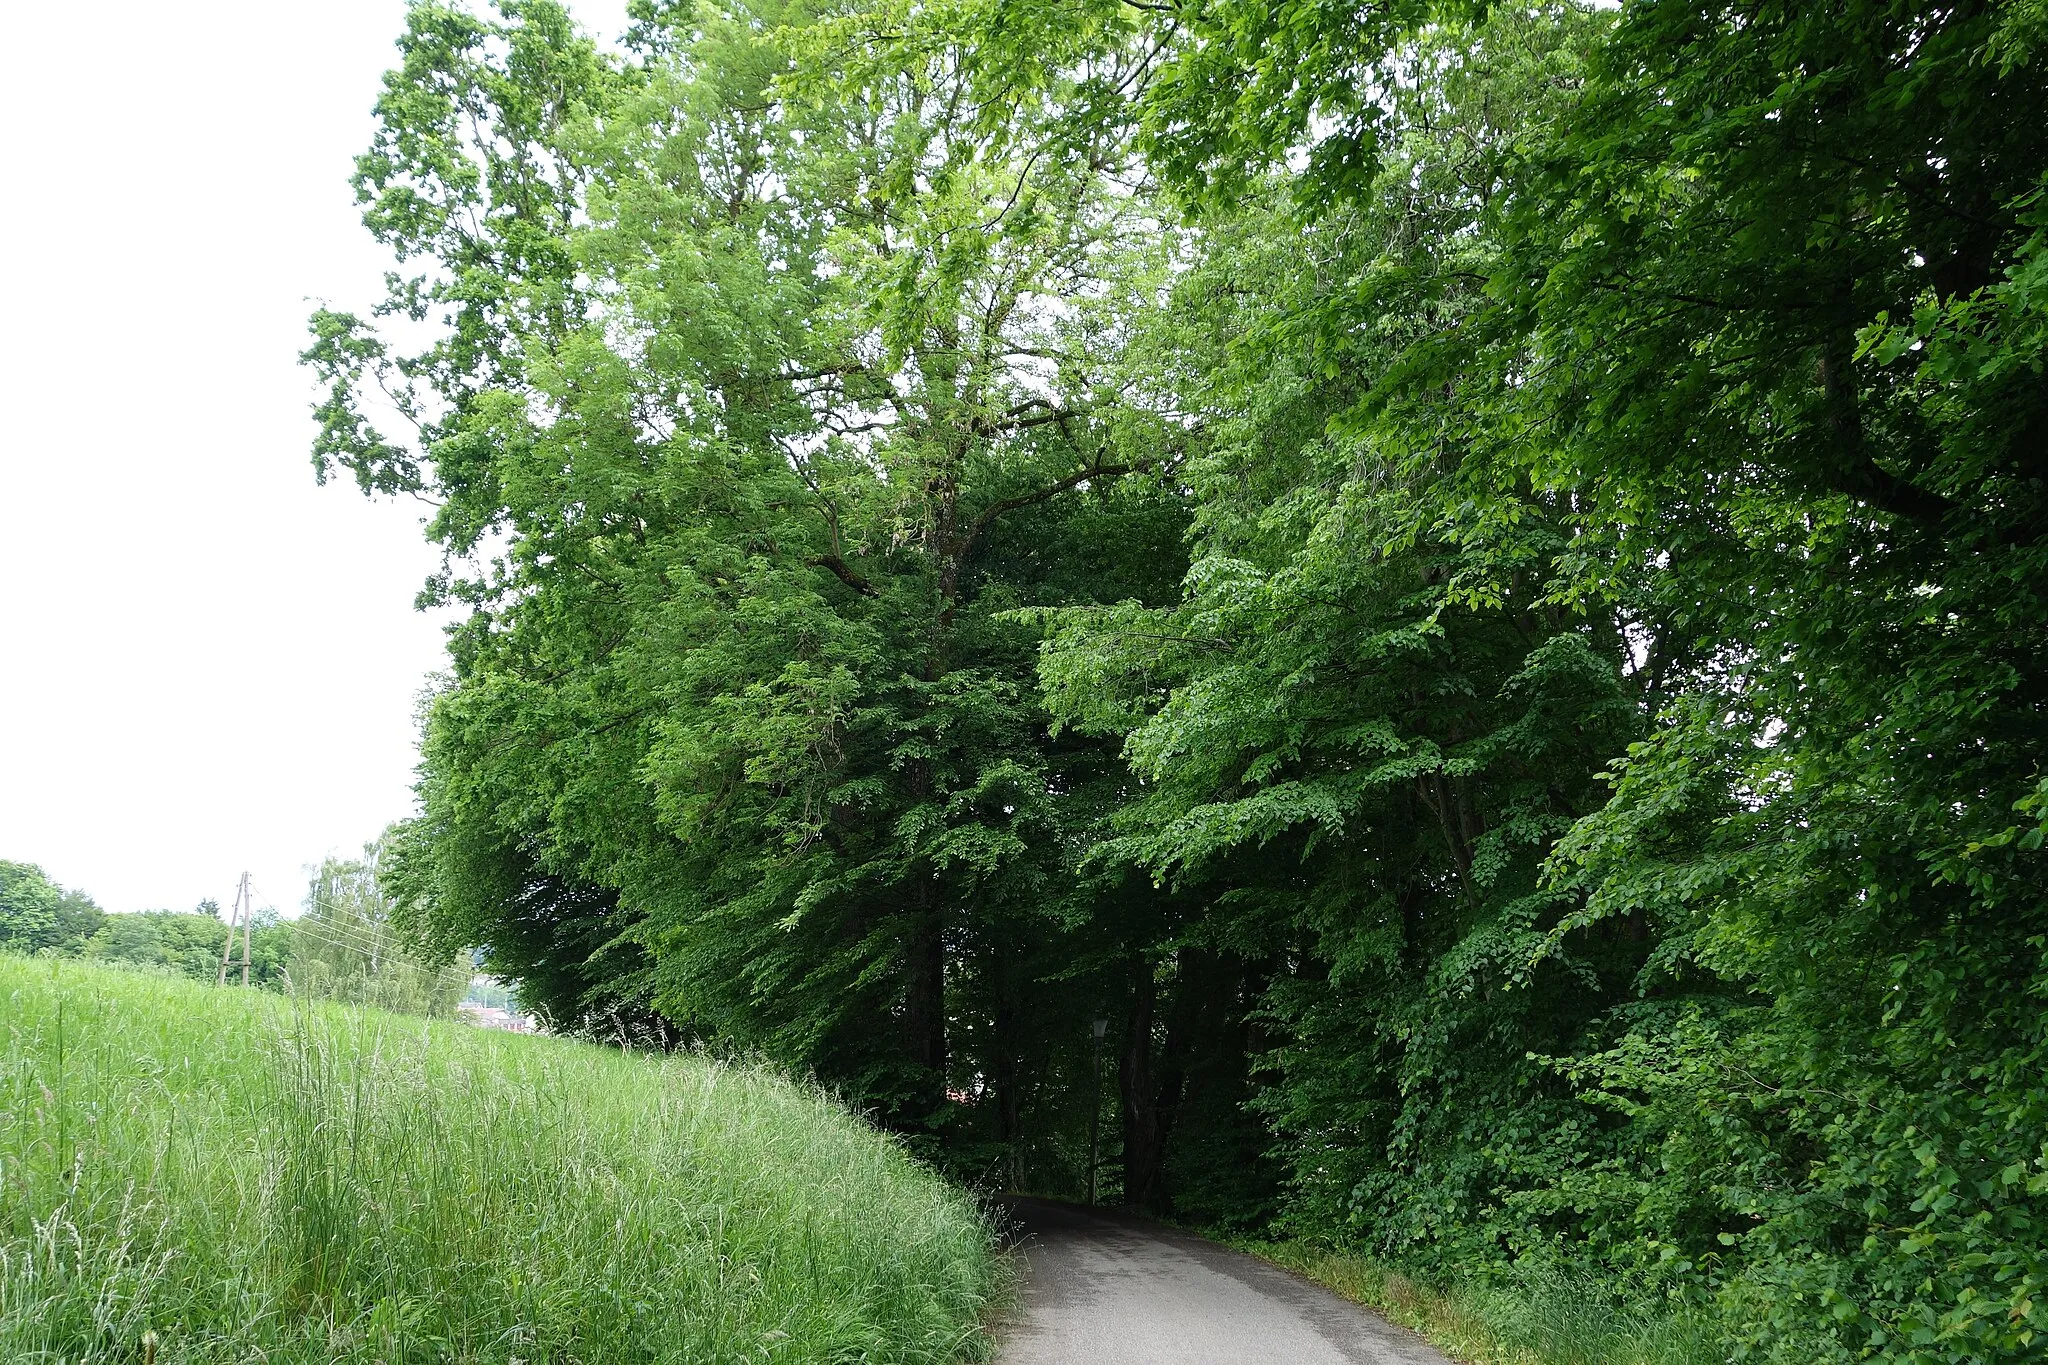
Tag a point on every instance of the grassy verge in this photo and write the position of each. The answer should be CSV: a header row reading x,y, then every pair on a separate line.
x,y
1537,1320
190,1174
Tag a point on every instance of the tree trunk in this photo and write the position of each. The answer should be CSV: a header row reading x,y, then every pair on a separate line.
x,y
1003,1077
924,1012
1147,1104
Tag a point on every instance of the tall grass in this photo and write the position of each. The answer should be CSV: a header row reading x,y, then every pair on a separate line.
x,y
190,1174
1540,1318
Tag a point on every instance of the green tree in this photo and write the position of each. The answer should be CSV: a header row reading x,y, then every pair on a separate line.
x,y
79,917
1762,316
1353,763
38,915
190,943
739,732
345,946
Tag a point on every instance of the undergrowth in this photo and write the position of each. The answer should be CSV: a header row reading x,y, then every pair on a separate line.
x,y
191,1174
1538,1318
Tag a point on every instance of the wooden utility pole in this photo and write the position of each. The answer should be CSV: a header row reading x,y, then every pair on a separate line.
x,y
248,923
243,912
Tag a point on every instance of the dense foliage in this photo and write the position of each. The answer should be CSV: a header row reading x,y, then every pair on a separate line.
x,y
1471,581
37,915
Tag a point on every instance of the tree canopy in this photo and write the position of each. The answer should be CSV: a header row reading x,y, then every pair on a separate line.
x,y
1471,581
37,915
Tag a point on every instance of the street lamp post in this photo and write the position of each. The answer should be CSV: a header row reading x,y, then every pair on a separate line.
x,y
1100,1027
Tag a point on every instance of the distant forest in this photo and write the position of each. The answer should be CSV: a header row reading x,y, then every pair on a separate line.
x,y
343,945
1437,615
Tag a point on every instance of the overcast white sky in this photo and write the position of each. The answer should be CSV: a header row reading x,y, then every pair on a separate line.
x,y
207,663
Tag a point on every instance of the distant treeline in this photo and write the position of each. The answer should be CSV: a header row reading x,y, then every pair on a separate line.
x,y
341,947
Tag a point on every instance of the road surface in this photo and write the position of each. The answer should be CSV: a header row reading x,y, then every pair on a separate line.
x,y
1104,1289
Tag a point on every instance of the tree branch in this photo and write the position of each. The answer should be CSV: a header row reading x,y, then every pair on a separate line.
x,y
845,575
1052,490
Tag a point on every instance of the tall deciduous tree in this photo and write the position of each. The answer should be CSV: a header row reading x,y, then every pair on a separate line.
x,y
812,399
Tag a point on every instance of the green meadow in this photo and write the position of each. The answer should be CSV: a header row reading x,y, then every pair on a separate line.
x,y
197,1174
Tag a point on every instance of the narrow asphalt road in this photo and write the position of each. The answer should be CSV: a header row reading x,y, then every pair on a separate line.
x,y
1104,1289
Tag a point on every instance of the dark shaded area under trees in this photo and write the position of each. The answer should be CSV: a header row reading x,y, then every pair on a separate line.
x,y
1470,581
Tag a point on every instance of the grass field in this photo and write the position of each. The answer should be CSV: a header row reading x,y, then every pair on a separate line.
x,y
190,1174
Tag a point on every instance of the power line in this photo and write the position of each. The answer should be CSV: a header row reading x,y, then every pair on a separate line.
x,y
335,926
345,935
328,929
333,940
440,977
315,900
